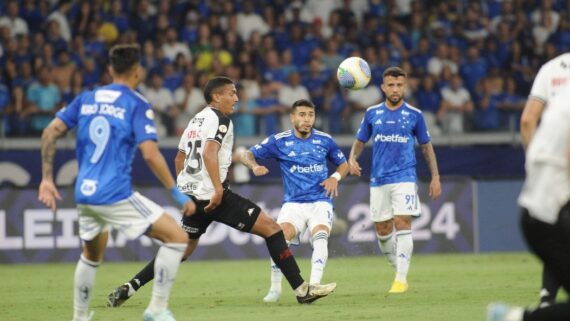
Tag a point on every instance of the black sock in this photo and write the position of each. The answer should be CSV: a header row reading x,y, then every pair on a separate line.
x,y
549,284
282,256
144,276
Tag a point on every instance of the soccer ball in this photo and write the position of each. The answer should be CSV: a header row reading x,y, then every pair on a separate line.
x,y
353,73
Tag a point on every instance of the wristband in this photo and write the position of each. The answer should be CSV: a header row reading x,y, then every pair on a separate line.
x,y
178,196
337,176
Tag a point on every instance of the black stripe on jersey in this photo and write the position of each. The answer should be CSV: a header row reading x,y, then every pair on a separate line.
x,y
223,125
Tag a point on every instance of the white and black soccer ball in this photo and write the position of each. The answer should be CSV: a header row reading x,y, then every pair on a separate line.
x,y
353,73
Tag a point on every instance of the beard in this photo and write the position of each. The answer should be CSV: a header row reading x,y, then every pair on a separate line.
x,y
395,101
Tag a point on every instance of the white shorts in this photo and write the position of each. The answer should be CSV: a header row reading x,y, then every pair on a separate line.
x,y
394,199
132,217
306,215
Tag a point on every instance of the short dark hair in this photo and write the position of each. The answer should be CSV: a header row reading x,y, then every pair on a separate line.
x,y
124,57
302,103
214,84
394,72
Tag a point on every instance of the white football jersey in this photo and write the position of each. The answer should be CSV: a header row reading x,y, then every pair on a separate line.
x,y
551,78
208,125
547,185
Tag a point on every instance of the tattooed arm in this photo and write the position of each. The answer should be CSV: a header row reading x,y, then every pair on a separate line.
x,y
47,191
248,160
429,156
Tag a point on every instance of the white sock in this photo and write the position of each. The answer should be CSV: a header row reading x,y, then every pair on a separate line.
x,y
276,277
319,257
404,249
387,245
165,268
83,287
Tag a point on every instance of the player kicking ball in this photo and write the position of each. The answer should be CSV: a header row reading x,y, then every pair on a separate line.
x,y
202,162
302,154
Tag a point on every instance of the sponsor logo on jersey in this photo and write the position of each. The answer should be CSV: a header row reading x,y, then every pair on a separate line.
x,y
394,138
88,187
378,112
405,113
292,154
198,121
223,128
149,129
559,81
378,122
289,143
106,96
390,122
189,187
313,168
317,141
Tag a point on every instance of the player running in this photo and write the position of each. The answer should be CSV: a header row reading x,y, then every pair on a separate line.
x,y
302,154
393,127
202,162
111,122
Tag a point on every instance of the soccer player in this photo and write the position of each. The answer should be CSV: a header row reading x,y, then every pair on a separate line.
x,y
302,154
111,122
393,126
202,162
545,202
552,77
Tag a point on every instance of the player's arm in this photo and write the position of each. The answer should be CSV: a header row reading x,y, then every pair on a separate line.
x,y
179,161
529,119
210,156
331,184
155,161
429,156
355,152
47,191
248,160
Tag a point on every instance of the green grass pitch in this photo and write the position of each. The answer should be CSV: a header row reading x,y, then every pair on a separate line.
x,y
442,288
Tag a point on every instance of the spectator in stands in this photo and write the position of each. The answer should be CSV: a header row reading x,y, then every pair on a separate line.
x,y
511,105
292,91
12,20
359,100
421,56
475,26
441,60
172,77
42,100
335,109
244,116
456,106
473,69
172,47
486,115
75,87
189,99
248,21
142,21
270,110
162,102
63,71
315,79
428,99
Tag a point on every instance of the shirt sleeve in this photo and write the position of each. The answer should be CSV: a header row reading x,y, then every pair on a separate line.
x,y
421,130
266,149
540,85
364,132
70,113
217,128
143,123
335,155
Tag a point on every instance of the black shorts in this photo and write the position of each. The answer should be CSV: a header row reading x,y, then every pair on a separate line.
x,y
234,211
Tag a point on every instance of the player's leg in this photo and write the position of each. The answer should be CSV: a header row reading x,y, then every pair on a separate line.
x,y
405,203
382,216
194,226
551,243
320,220
276,276
550,287
166,263
95,234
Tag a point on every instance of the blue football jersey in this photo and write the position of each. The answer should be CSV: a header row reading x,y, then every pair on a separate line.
x,y
393,134
111,122
303,163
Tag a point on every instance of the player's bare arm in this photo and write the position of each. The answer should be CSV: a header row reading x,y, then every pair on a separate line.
x,y
179,162
331,184
210,157
48,193
435,184
529,119
155,161
355,152
248,160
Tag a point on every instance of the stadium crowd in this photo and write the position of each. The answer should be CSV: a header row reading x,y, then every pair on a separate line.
x,y
470,63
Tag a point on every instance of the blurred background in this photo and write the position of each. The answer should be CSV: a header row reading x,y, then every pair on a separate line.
x,y
470,64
